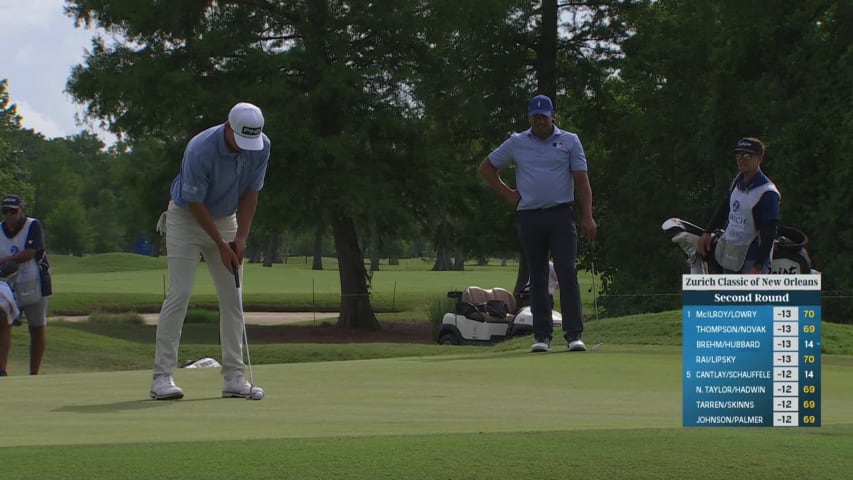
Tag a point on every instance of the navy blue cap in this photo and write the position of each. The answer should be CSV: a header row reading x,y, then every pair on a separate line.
x,y
750,145
12,201
541,105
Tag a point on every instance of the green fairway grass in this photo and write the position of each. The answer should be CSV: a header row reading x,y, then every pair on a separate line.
x,y
125,282
653,454
615,413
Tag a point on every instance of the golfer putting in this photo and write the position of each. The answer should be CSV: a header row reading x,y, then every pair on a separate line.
x,y
213,203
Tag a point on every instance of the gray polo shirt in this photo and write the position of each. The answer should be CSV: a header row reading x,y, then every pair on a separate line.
x,y
544,168
213,174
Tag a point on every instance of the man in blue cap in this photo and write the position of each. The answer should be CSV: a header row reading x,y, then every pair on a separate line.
x,y
551,176
749,213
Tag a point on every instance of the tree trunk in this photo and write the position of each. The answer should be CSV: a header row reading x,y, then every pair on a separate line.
x,y
356,311
546,71
546,52
459,262
284,251
276,253
443,262
374,248
418,248
255,254
393,260
318,250
482,261
272,248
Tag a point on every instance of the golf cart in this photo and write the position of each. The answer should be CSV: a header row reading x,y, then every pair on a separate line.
x,y
487,316
789,251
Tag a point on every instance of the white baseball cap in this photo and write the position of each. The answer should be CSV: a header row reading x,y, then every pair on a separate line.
x,y
247,121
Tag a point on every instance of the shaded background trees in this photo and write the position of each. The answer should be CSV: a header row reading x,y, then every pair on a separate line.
x,y
380,112
697,76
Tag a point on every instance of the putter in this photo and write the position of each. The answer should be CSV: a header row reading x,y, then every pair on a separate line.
x,y
598,343
253,395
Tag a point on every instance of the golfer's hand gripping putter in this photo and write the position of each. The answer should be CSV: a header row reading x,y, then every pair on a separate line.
x,y
236,273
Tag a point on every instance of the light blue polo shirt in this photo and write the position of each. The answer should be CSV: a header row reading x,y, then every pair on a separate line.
x,y
213,174
543,173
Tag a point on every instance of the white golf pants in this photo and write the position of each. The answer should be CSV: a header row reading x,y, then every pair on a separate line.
x,y
185,242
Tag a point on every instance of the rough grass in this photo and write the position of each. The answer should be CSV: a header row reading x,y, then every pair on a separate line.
x,y
202,316
654,454
435,309
104,318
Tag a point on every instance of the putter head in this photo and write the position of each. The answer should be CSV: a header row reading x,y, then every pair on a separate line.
x,y
596,346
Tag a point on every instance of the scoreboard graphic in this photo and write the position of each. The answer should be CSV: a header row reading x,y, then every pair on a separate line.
x,y
751,350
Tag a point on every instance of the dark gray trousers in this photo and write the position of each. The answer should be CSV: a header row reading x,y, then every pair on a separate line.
x,y
552,232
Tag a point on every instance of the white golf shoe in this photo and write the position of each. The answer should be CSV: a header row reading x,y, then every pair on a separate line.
x,y
238,387
577,345
163,388
541,345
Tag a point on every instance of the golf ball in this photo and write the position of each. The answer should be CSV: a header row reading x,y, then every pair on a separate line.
x,y
257,394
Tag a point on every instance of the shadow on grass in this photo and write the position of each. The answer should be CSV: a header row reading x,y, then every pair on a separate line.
x,y
470,355
192,333
126,406
111,407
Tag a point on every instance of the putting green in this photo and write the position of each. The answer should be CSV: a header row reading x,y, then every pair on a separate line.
x,y
616,388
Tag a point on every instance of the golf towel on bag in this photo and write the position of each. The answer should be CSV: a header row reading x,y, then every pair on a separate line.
x,y
8,305
161,224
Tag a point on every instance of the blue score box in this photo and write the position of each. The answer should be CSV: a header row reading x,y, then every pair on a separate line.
x,y
751,350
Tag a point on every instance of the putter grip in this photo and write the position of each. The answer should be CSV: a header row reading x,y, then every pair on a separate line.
x,y
236,272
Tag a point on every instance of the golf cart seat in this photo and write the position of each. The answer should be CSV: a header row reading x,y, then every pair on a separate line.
x,y
490,304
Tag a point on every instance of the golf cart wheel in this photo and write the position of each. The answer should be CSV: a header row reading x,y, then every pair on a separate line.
x,y
448,338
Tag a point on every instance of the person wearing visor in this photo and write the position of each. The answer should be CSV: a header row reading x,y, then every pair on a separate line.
x,y
213,202
22,243
749,214
551,177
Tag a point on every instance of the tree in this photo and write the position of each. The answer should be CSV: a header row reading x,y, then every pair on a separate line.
x,y
494,57
330,75
143,171
13,174
696,77
472,87
69,231
59,198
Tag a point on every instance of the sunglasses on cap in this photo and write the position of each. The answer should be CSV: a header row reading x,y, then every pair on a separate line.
x,y
743,156
9,210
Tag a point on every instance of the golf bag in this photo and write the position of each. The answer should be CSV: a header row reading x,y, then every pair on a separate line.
x,y
789,250
9,310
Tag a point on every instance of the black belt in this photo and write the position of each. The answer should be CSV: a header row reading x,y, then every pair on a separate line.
x,y
559,206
